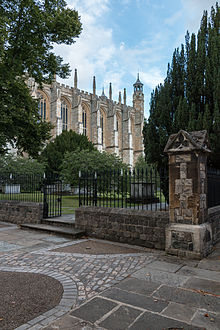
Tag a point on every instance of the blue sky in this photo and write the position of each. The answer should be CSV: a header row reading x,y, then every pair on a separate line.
x,y
122,37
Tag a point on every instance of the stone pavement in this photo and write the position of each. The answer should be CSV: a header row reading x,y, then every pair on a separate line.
x,y
141,290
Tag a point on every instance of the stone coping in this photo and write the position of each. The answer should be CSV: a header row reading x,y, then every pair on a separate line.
x,y
22,203
118,210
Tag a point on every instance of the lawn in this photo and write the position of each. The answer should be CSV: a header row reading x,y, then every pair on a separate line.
x,y
69,203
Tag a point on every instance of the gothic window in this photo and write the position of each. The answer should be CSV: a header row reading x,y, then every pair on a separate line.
x,y
64,115
86,113
84,121
102,128
42,106
117,125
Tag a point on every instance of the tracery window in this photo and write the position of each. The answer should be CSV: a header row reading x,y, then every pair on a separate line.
x,y
42,106
64,115
102,128
84,120
117,124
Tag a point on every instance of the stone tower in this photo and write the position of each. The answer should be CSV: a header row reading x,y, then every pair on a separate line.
x,y
138,105
138,96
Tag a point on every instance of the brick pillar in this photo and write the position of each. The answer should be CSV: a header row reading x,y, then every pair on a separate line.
x,y
188,233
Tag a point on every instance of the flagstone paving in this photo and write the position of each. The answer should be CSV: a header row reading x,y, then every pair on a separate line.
x,y
141,290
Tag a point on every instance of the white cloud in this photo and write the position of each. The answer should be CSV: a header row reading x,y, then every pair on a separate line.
x,y
97,53
174,18
94,48
194,11
152,78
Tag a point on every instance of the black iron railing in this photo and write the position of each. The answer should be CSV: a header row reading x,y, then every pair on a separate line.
x,y
137,189
213,181
21,187
33,188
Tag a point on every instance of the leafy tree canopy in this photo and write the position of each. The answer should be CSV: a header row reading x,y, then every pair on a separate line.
x,y
141,164
67,141
189,98
88,161
20,165
28,31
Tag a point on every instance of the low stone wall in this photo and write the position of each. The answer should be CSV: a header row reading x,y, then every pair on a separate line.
x,y
143,228
214,219
20,212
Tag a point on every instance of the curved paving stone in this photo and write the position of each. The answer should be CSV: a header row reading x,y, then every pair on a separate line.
x,y
90,277
67,302
82,276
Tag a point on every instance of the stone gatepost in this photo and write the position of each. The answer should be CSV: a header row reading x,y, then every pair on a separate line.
x,y
188,233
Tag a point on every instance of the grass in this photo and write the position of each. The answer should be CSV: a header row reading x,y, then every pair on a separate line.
x,y
70,203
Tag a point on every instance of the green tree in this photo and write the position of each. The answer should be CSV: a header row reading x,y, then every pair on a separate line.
x,y
28,31
88,161
189,98
67,141
20,165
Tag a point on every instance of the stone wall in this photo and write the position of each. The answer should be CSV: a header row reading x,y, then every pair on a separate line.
x,y
20,212
214,219
144,228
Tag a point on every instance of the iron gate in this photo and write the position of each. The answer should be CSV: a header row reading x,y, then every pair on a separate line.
x,y
52,203
213,179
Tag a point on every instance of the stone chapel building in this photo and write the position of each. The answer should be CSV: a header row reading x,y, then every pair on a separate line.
x,y
112,126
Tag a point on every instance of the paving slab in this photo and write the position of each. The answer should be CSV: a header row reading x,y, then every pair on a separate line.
x,y
215,253
188,297
120,319
158,276
93,310
5,246
151,321
138,286
70,323
56,239
136,300
210,264
3,225
165,266
201,273
180,312
136,281
206,320
208,286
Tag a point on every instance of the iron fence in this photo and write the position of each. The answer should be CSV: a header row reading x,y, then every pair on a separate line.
x,y
33,188
213,181
137,189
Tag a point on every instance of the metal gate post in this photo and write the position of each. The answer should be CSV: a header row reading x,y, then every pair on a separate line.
x,y
45,204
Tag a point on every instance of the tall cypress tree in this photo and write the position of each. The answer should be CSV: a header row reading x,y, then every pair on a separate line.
x,y
189,98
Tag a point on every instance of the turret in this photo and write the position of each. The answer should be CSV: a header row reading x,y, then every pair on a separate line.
x,y
138,105
124,97
138,96
94,86
110,91
119,98
75,79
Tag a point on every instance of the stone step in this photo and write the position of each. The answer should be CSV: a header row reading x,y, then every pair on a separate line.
x,y
62,222
58,230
